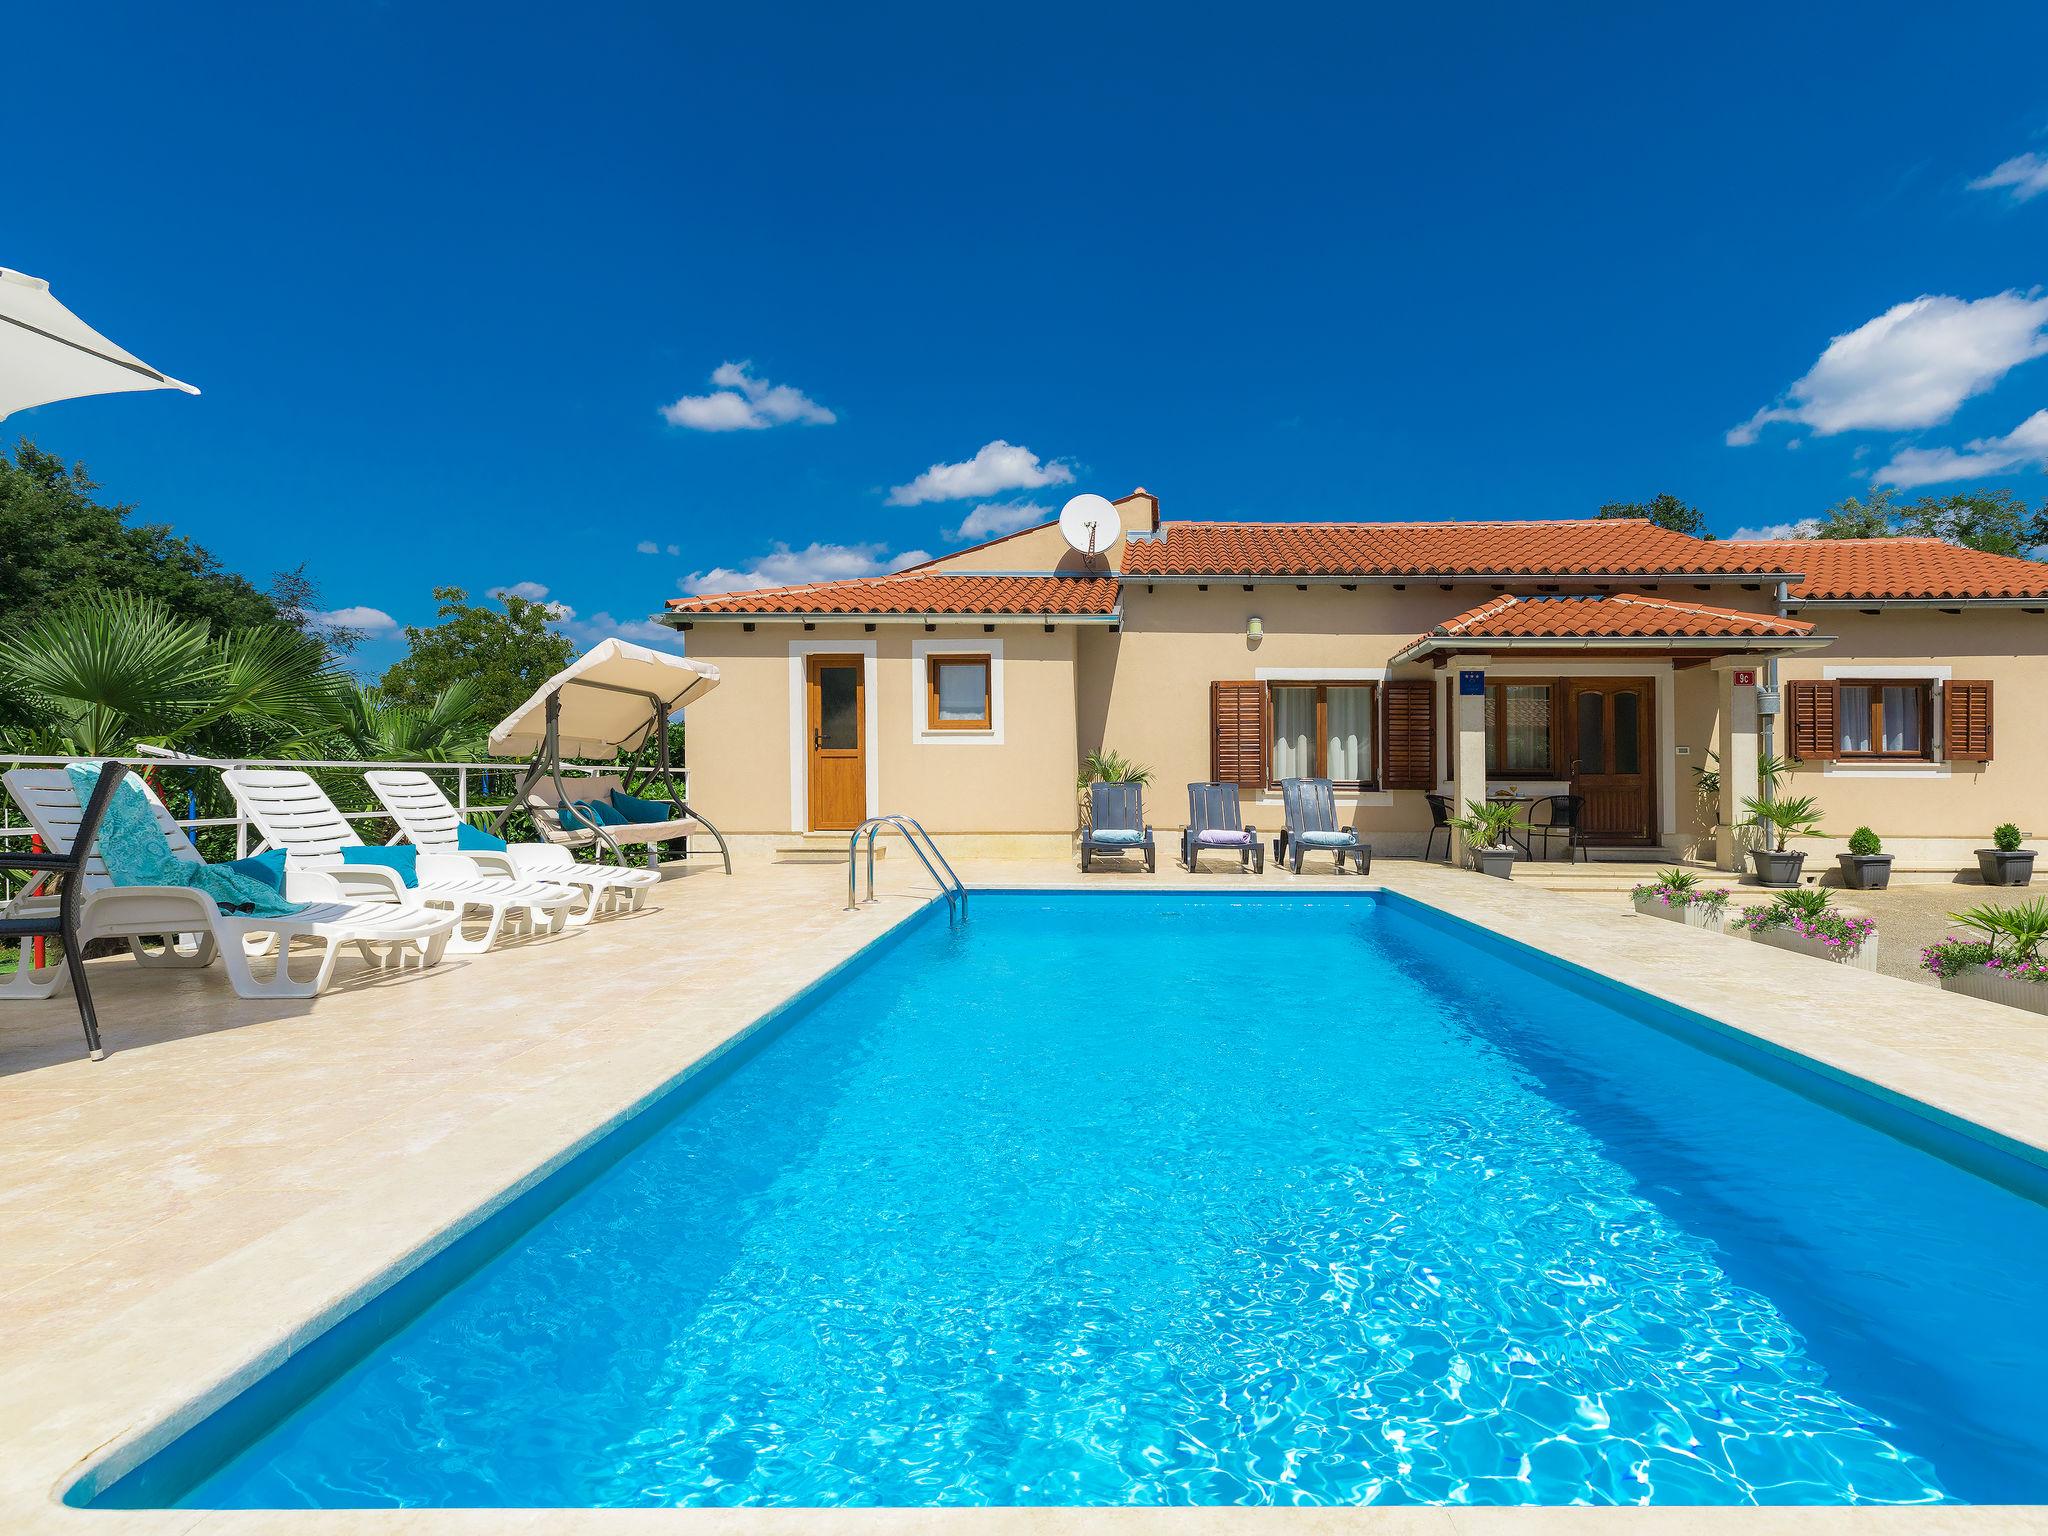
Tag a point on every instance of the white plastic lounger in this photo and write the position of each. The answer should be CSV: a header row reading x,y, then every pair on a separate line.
x,y
384,934
293,813
426,820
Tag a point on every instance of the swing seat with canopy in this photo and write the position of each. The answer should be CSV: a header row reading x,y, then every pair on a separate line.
x,y
611,703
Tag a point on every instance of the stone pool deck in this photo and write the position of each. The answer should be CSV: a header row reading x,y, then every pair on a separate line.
x,y
236,1174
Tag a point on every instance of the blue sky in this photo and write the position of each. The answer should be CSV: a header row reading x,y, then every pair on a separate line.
x,y
439,271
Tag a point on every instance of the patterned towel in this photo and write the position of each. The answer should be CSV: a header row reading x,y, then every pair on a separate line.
x,y
136,852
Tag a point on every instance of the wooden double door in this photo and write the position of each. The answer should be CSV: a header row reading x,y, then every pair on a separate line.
x,y
1610,755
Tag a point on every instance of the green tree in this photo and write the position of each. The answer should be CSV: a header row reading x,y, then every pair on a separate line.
x,y
368,724
1663,509
505,652
1851,518
1997,522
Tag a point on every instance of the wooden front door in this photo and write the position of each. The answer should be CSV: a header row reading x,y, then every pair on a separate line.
x,y
837,713
1608,735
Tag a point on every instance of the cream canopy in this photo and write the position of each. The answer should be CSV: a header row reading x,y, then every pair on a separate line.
x,y
609,701
47,353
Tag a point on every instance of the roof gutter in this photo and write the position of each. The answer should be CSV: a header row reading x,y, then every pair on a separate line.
x,y
1524,578
686,617
1795,603
1773,644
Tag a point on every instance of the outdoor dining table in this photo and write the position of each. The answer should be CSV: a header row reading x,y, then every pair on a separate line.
x,y
1501,797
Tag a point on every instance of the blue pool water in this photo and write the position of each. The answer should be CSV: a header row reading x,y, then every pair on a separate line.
x,y
1159,1199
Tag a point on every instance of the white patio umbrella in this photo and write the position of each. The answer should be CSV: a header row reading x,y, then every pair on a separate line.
x,y
47,353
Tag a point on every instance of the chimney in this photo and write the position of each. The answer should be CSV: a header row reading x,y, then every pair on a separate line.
x,y
1141,513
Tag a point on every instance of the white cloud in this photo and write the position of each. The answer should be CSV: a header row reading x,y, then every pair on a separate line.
x,y
368,621
649,547
2026,445
997,467
1805,528
2026,176
743,403
786,567
994,518
1912,366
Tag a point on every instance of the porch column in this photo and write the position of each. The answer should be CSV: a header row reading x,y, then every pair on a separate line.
x,y
1736,748
1468,759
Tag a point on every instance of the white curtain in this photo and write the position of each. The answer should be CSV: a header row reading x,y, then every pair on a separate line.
x,y
1294,733
1347,755
1902,719
1855,718
1528,744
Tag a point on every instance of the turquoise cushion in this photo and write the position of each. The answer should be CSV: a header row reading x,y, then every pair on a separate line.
x,y
1328,839
477,840
267,867
1118,835
585,813
633,808
402,857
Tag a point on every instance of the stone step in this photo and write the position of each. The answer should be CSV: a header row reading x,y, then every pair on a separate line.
x,y
821,848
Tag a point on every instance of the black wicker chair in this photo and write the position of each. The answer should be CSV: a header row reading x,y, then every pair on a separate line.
x,y
1565,811
58,920
1439,821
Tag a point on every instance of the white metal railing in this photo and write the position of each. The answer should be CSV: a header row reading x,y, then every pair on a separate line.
x,y
474,784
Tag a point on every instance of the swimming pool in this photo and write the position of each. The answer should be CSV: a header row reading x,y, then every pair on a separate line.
x,y
1169,1198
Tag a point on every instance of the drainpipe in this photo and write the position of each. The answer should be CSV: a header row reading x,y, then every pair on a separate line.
x,y
1767,725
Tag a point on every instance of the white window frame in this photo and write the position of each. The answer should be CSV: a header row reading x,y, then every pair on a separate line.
x,y
921,652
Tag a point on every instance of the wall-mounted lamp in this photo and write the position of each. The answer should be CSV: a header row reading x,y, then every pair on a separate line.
x,y
1254,628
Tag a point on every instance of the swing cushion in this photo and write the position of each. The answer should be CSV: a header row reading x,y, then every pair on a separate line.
x,y
588,813
476,839
635,809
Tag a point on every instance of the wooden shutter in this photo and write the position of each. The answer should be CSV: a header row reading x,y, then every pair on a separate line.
x,y
1813,720
1411,734
1237,734
1966,720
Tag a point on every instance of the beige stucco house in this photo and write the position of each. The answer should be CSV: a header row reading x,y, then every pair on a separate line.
x,y
1610,659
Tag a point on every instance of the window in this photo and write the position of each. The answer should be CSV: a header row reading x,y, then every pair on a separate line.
x,y
1518,728
957,693
1881,719
1324,731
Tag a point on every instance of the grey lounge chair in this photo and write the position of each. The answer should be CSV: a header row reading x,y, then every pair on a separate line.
x,y
1216,822
1116,824
1312,826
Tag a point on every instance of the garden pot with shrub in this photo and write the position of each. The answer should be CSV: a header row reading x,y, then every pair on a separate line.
x,y
1805,923
1494,861
1489,828
2006,862
1782,820
1866,866
2003,964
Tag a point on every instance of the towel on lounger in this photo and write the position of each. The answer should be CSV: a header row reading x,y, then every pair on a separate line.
x,y
135,851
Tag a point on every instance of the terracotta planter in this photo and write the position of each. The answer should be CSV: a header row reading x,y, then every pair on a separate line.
x,y
1866,871
2001,868
1865,958
1776,870
1713,919
1993,987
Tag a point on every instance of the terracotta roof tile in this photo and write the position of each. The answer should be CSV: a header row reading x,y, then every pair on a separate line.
x,y
1081,596
1623,616
1907,567
1576,547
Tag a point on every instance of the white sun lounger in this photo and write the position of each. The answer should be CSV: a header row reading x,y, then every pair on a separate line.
x,y
384,934
293,813
431,824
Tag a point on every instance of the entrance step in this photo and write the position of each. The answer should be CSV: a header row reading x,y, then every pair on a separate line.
x,y
822,848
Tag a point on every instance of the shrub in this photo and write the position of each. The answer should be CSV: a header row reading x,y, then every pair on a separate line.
x,y
2015,930
2006,837
1807,912
1952,956
1678,888
1865,842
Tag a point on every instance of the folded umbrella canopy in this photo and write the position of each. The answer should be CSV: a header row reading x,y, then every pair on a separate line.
x,y
47,353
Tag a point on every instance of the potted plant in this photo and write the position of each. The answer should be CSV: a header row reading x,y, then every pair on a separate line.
x,y
1866,866
1111,768
1782,820
2003,964
1805,922
2005,862
1489,830
1677,896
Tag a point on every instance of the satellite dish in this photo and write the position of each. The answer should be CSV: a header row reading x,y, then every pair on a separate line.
x,y
1090,523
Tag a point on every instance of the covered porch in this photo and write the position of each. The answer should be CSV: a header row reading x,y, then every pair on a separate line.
x,y
1596,711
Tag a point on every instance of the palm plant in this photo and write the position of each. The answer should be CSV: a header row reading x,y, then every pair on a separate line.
x,y
108,671
369,725
2015,931
1795,816
1490,823
1113,768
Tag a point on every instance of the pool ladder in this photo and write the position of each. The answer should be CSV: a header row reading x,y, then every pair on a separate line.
x,y
913,832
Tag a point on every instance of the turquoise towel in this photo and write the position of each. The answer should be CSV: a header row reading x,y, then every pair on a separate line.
x,y
136,852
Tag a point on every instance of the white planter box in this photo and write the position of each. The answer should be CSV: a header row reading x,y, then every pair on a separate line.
x,y
1713,919
1982,981
1865,958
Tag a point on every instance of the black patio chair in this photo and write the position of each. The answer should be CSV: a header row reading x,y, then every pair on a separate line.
x,y
44,919
1216,824
1312,826
1439,821
1565,811
1116,824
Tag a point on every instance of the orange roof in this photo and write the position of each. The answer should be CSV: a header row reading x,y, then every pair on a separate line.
x,y
1623,616
1576,547
976,595
1849,569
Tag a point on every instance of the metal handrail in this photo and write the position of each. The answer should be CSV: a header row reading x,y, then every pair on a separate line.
x,y
950,883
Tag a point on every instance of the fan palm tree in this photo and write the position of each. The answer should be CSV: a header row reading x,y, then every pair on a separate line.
x,y
379,729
